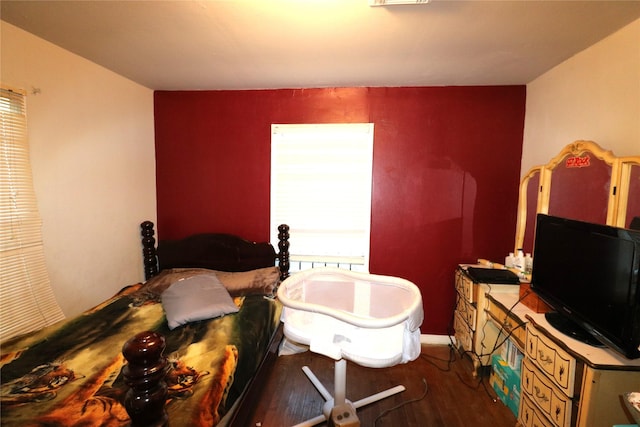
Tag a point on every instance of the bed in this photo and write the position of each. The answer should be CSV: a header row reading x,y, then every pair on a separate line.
x,y
208,357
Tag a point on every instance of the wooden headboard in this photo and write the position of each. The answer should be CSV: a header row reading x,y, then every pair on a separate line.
x,y
215,251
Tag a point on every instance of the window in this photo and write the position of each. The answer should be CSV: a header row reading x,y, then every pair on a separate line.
x,y
26,299
321,178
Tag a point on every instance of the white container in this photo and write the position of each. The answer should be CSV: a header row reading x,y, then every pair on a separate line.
x,y
509,261
528,263
519,260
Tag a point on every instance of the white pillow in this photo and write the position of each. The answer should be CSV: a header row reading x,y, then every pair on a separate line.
x,y
196,298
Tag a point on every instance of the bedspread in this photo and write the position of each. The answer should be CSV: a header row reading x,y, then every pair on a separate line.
x,y
70,373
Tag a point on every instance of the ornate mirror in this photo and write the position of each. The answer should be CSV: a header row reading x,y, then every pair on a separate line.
x,y
580,182
527,209
583,182
628,192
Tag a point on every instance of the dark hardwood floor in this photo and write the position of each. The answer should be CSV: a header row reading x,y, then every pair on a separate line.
x,y
440,391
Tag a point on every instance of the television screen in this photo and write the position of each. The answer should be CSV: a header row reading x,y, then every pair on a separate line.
x,y
588,273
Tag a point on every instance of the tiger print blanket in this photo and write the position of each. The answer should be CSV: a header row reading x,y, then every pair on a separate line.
x,y
69,374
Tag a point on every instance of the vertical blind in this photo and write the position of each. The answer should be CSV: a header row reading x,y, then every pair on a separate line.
x,y
321,187
26,298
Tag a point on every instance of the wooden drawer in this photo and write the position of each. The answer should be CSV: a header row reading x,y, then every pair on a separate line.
x,y
462,333
510,323
529,415
466,311
546,395
557,363
464,286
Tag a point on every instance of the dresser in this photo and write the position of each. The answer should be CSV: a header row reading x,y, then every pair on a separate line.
x,y
474,336
565,383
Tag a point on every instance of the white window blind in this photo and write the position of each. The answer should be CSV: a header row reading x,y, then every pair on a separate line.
x,y
321,187
26,299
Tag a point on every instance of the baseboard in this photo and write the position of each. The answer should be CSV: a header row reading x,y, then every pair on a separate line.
x,y
435,339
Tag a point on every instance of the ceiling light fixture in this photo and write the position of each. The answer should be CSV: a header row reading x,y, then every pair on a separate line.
x,y
395,2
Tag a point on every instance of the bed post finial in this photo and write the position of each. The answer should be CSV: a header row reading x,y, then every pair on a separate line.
x,y
283,248
144,374
149,258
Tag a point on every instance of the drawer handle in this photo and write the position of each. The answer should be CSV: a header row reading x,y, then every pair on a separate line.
x,y
544,359
561,372
557,412
540,395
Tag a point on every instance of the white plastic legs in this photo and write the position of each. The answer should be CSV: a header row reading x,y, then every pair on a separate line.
x,y
339,397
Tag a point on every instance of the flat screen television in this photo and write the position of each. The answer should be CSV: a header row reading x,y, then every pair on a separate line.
x,y
589,274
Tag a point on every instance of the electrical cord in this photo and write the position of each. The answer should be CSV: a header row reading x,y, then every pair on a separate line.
x,y
472,353
406,402
430,359
458,279
503,324
502,331
484,327
507,334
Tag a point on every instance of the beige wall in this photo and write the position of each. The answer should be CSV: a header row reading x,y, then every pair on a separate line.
x,y
92,152
594,95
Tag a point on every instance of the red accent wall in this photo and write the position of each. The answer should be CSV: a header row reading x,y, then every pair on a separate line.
x,y
446,170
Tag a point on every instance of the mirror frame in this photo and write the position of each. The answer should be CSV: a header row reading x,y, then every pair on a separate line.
x,y
523,204
624,175
621,168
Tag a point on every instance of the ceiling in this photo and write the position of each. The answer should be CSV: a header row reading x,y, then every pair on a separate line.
x,y
257,44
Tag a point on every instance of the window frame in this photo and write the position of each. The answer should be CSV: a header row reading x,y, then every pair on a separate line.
x,y
349,158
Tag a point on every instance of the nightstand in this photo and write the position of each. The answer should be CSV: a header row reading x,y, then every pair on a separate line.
x,y
473,336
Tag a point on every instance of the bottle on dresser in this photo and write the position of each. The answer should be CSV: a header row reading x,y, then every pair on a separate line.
x,y
528,263
519,260
509,260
